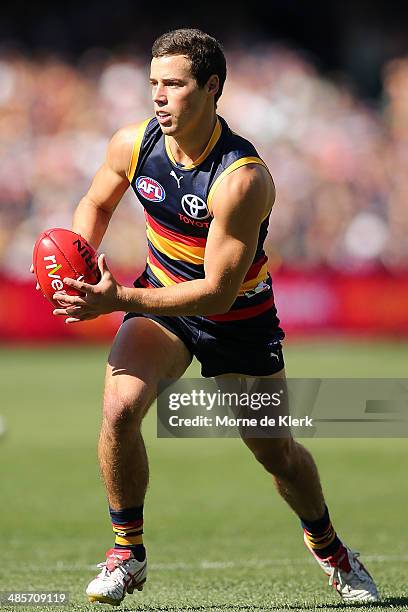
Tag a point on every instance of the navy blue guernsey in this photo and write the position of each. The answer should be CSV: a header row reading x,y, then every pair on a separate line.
x,y
177,204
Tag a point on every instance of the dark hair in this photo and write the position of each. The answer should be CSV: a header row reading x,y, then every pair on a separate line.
x,y
204,52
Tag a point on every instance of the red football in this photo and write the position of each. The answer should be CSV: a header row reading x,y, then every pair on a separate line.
x,y
60,253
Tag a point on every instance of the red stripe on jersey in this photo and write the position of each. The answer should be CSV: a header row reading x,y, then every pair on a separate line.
x,y
143,281
156,262
243,313
172,235
255,268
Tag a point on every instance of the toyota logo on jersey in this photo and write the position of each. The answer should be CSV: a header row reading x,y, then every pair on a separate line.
x,y
194,206
150,189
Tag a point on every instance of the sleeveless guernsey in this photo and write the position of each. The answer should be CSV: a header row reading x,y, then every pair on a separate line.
x,y
177,204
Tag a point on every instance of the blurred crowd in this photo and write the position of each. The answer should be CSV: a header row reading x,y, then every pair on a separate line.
x,y
339,163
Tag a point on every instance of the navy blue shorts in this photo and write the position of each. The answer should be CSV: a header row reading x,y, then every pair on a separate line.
x,y
248,346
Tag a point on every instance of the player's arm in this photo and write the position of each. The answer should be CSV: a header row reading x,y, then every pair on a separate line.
x,y
240,203
93,213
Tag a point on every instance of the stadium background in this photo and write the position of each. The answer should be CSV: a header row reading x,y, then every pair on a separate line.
x,y
322,90
323,95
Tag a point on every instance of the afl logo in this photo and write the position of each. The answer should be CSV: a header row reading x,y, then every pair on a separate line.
x,y
150,189
194,206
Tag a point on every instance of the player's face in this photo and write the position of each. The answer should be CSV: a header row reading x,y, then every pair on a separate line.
x,y
179,102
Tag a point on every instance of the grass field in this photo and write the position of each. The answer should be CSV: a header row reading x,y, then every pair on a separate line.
x,y
218,536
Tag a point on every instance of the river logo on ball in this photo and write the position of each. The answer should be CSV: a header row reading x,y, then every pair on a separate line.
x,y
53,268
150,189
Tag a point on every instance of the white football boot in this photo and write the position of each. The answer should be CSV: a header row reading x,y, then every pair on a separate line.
x,y
121,573
347,575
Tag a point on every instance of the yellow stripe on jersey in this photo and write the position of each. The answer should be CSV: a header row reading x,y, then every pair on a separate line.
x,y
211,144
243,161
175,250
251,284
165,280
136,150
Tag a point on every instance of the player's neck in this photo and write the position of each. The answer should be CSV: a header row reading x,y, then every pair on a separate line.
x,y
187,148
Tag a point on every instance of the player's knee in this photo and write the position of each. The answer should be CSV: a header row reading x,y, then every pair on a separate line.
x,y
276,455
123,409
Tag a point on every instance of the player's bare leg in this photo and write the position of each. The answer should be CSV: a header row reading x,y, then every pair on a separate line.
x,y
142,354
292,467
297,480
293,470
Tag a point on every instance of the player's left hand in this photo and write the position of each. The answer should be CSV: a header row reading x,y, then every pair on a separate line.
x,y
96,300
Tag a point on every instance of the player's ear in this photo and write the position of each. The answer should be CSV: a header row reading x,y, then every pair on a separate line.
x,y
213,84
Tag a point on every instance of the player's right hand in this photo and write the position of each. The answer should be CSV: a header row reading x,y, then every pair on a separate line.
x,y
37,286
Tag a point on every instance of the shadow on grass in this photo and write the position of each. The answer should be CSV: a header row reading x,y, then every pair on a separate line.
x,y
388,602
